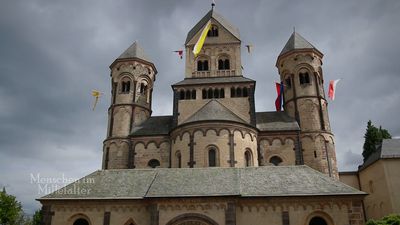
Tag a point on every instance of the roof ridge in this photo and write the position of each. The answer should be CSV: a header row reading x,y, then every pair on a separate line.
x,y
207,104
217,17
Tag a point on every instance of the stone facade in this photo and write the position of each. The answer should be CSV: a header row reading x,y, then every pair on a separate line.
x,y
215,75
214,124
211,211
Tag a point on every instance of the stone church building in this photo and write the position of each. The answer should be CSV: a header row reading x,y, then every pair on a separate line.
x,y
215,160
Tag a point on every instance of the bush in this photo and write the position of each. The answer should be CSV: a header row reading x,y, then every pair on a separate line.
x,y
387,220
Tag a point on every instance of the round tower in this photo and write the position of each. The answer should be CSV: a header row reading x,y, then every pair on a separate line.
x,y
299,65
132,78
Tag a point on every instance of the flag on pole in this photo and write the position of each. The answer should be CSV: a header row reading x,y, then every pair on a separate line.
x,y
202,38
279,98
332,89
97,94
180,53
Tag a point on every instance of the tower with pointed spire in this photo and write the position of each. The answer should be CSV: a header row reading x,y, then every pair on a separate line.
x,y
215,160
300,68
220,55
132,78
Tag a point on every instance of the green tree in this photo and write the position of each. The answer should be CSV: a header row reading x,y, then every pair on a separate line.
x,y
37,218
10,209
387,220
373,137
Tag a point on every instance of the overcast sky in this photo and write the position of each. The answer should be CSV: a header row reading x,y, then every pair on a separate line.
x,y
53,53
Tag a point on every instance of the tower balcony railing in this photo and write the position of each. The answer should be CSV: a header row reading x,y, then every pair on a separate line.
x,y
201,73
217,73
225,73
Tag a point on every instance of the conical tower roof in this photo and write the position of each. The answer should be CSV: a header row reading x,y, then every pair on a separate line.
x,y
297,42
134,51
217,17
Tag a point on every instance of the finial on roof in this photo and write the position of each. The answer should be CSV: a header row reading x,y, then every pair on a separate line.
x,y
212,4
294,29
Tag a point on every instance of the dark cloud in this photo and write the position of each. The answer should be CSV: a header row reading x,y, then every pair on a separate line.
x,y
53,53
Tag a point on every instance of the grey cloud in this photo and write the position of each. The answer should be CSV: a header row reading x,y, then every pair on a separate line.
x,y
53,53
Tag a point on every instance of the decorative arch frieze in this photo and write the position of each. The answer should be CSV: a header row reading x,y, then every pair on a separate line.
x,y
146,144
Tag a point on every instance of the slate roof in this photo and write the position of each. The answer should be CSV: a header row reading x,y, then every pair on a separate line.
x,y
213,80
212,14
265,181
296,41
275,121
134,51
389,149
214,110
155,125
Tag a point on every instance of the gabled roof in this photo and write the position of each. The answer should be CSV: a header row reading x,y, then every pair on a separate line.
x,y
134,51
297,42
265,181
213,80
212,14
275,121
214,110
155,125
389,149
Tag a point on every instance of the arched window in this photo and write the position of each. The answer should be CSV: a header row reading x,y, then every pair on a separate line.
x,y
199,65
153,163
182,94
222,94
288,83
125,86
275,160
220,64
179,159
212,157
193,94
238,92
213,32
216,93
245,92
227,64
304,78
223,63
204,93
205,65
107,158
210,93
143,88
317,221
233,92
248,158
81,221
188,94
202,65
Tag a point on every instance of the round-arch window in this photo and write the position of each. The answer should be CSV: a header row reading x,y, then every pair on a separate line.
x,y
212,157
317,221
247,157
81,222
275,160
154,163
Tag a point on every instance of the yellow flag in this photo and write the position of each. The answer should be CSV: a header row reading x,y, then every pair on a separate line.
x,y
200,42
97,94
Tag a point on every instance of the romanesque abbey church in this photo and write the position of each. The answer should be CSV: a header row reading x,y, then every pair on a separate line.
x,y
214,160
